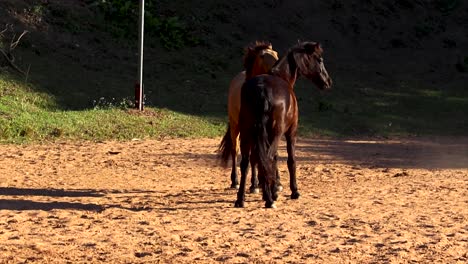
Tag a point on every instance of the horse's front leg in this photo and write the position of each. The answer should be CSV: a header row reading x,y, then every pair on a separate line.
x,y
254,179
291,147
241,192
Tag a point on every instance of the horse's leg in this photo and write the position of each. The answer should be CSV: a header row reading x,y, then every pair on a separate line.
x,y
261,179
241,192
254,179
245,149
234,136
275,186
279,186
291,146
270,188
269,194
234,181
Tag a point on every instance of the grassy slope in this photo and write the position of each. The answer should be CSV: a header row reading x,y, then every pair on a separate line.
x,y
388,81
27,116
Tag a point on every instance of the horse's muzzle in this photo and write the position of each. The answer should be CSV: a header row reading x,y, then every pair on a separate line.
x,y
324,83
327,84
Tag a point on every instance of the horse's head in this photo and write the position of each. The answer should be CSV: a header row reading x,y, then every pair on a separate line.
x,y
308,56
259,58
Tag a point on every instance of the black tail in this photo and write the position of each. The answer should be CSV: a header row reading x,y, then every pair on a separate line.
x,y
225,147
261,143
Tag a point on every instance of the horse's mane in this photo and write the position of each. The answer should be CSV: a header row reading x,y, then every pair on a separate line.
x,y
288,55
251,53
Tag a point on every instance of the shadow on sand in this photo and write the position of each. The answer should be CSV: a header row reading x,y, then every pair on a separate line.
x,y
24,204
418,153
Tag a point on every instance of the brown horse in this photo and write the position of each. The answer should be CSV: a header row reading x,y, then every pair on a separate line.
x,y
269,111
259,58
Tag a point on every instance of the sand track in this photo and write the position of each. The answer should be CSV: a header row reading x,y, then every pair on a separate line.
x,y
167,201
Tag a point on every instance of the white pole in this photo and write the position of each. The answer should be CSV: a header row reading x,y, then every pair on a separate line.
x,y
139,86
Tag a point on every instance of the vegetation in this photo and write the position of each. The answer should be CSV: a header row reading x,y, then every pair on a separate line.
x,y
123,15
447,5
82,57
405,110
28,116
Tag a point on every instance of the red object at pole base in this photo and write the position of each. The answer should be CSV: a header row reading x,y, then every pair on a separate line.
x,y
138,97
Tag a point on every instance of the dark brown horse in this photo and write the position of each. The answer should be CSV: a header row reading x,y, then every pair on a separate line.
x,y
269,111
259,58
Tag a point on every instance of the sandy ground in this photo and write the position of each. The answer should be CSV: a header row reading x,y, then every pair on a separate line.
x,y
167,201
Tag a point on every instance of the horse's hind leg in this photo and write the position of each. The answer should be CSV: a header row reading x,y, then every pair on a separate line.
x,y
241,192
234,136
245,151
279,186
234,181
254,179
291,146
275,186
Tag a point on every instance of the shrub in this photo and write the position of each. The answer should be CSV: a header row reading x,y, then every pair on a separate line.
x,y
123,14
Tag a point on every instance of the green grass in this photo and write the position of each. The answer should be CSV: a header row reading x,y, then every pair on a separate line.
x,y
407,109
29,116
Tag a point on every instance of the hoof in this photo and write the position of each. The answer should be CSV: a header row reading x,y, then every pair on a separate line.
x,y
235,186
254,190
239,204
295,195
279,188
270,205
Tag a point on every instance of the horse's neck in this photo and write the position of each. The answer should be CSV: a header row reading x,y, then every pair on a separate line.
x,y
258,68
286,69
254,72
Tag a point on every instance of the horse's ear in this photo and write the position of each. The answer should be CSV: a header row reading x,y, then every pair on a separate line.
x,y
248,51
310,47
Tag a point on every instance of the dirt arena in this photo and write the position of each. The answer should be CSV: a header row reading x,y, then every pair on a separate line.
x,y
167,201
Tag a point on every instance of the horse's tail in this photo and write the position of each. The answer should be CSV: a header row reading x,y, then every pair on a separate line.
x,y
261,145
225,146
